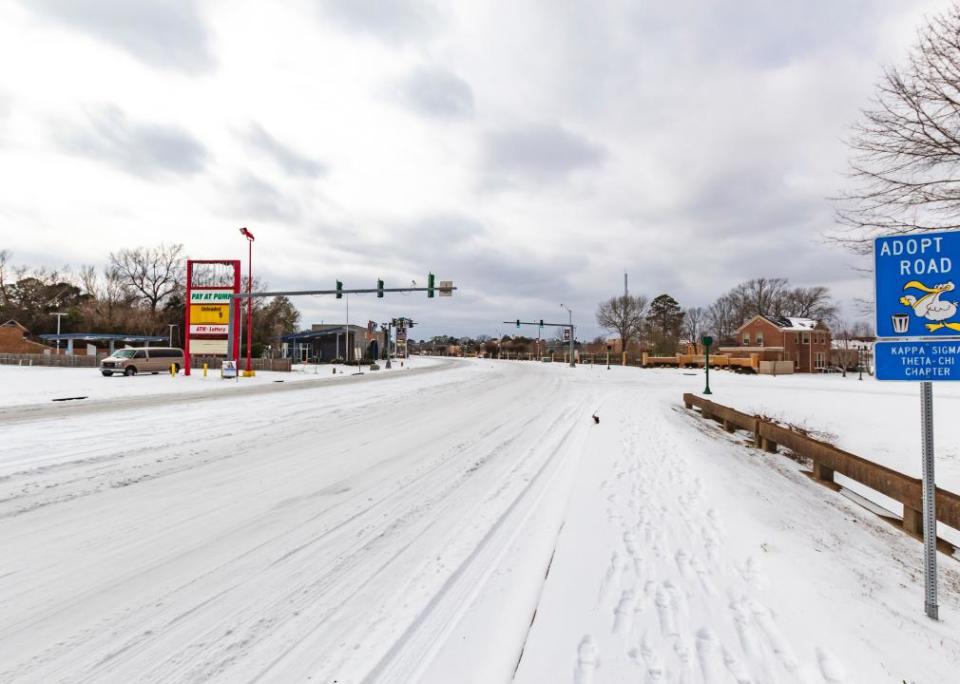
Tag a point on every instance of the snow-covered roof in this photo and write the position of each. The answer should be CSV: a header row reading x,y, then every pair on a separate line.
x,y
791,324
853,345
786,323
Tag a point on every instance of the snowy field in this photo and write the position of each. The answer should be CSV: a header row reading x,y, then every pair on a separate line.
x,y
38,385
463,522
879,421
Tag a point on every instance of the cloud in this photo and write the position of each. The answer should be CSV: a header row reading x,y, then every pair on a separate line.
x,y
168,34
253,197
292,162
5,108
395,22
438,93
142,149
540,153
457,245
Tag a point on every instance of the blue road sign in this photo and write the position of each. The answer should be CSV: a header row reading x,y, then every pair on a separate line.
x,y
917,279
918,360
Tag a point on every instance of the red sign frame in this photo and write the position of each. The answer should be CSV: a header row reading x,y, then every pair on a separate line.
x,y
235,306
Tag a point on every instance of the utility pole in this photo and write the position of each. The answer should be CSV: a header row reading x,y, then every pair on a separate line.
x,y
59,315
385,327
568,326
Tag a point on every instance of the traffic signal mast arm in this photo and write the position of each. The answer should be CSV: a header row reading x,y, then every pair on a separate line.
x,y
369,290
518,323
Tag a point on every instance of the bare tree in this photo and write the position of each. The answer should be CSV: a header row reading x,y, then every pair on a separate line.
x,y
694,322
763,296
5,255
862,330
809,302
905,152
767,297
153,273
108,295
623,315
843,342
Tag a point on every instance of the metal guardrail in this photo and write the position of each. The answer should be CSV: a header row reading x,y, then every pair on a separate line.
x,y
828,460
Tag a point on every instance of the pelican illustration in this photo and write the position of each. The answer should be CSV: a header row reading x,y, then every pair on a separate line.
x,y
930,306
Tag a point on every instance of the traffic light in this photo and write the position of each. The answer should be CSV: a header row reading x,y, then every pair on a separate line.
x,y
541,322
339,290
430,280
380,288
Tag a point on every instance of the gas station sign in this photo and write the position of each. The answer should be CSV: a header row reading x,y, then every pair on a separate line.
x,y
207,329
210,296
210,313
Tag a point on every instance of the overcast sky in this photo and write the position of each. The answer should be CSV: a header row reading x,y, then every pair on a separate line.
x,y
530,151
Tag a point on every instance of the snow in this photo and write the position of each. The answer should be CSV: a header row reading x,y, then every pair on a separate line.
x,y
801,324
28,385
465,521
687,557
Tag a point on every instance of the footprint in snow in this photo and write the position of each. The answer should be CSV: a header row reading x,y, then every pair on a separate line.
x,y
832,671
587,661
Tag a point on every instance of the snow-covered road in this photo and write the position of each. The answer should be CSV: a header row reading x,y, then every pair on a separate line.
x,y
401,528
334,531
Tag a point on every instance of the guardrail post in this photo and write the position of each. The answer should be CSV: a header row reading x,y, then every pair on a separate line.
x,y
705,409
822,473
728,426
912,521
756,432
686,401
767,444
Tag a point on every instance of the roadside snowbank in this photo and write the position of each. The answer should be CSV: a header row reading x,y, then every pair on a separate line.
x,y
20,386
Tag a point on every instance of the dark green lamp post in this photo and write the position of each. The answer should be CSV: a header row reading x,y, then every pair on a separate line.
x,y
707,341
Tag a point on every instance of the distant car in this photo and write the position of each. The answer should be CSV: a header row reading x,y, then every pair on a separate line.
x,y
142,360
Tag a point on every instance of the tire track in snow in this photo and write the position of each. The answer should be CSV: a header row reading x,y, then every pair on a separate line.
x,y
169,623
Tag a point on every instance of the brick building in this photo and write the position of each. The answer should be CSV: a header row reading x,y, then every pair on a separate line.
x,y
803,341
13,340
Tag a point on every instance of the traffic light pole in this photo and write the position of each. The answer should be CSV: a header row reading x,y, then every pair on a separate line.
x,y
541,324
445,289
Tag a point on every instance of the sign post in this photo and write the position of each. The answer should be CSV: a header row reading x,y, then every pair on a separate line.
x,y
918,341
929,504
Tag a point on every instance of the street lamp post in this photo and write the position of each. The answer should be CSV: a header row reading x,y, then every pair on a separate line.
x,y
59,315
707,341
247,234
